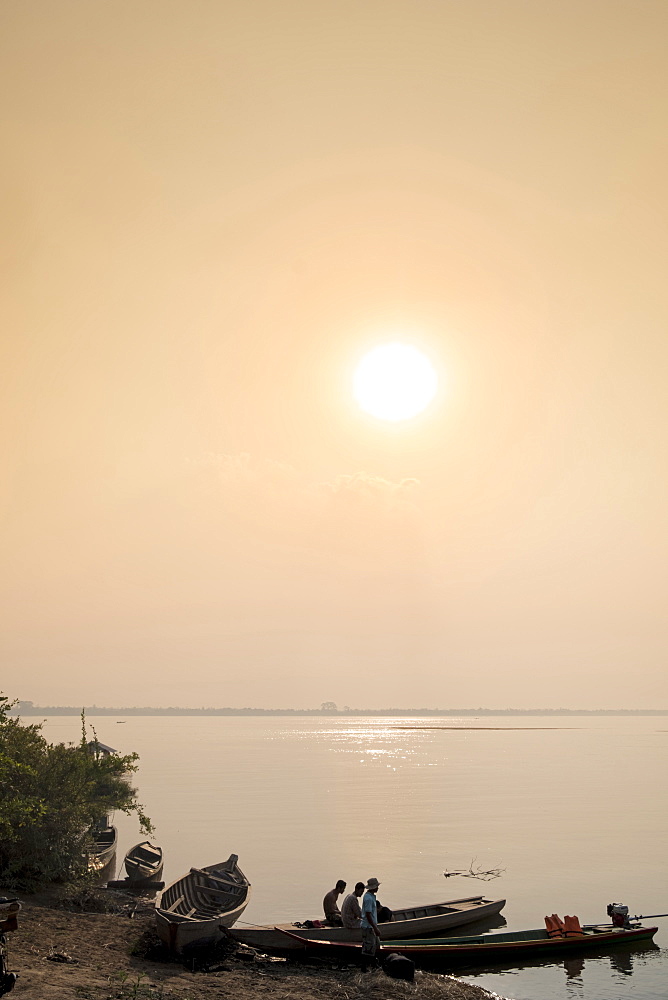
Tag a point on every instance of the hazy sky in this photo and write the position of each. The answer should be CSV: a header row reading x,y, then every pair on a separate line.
x,y
211,210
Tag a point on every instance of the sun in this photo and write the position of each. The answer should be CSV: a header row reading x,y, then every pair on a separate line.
x,y
395,382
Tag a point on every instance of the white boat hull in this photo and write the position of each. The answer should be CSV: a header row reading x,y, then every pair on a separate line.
x,y
449,914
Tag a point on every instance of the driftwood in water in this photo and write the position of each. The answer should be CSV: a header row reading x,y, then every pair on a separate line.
x,y
478,872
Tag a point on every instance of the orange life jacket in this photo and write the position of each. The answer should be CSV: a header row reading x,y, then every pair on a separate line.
x,y
572,927
554,926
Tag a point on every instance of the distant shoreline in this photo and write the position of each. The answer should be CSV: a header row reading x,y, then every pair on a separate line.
x,y
28,708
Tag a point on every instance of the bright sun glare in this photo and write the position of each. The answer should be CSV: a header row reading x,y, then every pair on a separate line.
x,y
394,382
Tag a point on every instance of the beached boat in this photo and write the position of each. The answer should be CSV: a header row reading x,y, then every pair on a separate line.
x,y
482,950
144,861
195,911
103,849
411,922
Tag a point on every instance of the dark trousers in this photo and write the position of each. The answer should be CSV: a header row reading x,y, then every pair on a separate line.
x,y
370,944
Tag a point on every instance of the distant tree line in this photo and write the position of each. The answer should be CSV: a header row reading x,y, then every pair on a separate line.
x,y
326,708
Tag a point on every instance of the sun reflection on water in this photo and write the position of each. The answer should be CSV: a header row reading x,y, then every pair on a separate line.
x,y
372,743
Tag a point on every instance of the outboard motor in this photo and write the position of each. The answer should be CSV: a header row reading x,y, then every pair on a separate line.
x,y
619,914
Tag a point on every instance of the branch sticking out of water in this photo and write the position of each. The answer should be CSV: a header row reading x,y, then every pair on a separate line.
x,y
477,872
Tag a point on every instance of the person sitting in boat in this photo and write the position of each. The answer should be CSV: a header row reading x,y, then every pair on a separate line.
x,y
384,913
330,904
351,913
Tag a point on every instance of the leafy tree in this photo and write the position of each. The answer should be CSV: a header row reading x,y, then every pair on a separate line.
x,y
51,794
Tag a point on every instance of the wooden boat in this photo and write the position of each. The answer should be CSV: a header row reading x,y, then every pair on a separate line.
x,y
103,850
482,950
195,911
144,861
414,921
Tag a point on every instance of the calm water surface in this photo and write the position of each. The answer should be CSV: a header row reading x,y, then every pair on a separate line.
x,y
574,809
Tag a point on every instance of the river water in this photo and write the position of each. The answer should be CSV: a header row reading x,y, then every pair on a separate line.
x,y
574,809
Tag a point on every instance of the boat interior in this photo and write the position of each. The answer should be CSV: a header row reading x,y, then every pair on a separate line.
x,y
538,934
146,854
204,893
104,838
436,909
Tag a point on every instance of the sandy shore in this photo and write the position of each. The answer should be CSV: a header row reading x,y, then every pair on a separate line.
x,y
60,954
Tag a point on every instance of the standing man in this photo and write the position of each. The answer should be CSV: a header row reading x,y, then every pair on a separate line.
x,y
350,911
370,932
331,906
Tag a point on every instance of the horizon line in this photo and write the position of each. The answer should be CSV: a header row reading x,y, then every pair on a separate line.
x,y
29,708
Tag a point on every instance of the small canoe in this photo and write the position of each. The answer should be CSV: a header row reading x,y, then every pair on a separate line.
x,y
515,946
195,911
103,849
411,922
144,861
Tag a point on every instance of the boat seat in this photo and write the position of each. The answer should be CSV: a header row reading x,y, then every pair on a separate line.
x,y
210,890
176,903
216,878
179,916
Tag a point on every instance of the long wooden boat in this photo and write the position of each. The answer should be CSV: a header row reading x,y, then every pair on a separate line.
x,y
103,850
413,921
144,861
481,950
194,911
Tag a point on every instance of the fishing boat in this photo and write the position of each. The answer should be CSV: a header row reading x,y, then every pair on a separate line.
x,y
103,849
144,861
411,922
195,911
511,947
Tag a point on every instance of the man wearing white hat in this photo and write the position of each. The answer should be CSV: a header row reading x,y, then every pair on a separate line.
x,y
370,932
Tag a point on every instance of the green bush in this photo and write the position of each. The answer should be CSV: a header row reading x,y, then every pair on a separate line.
x,y
51,794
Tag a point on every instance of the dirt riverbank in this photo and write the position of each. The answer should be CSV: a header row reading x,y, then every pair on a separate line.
x,y
65,955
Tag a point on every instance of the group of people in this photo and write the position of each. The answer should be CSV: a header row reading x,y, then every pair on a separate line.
x,y
353,916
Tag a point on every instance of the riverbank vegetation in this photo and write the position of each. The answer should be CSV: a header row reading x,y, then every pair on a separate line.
x,y
51,795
